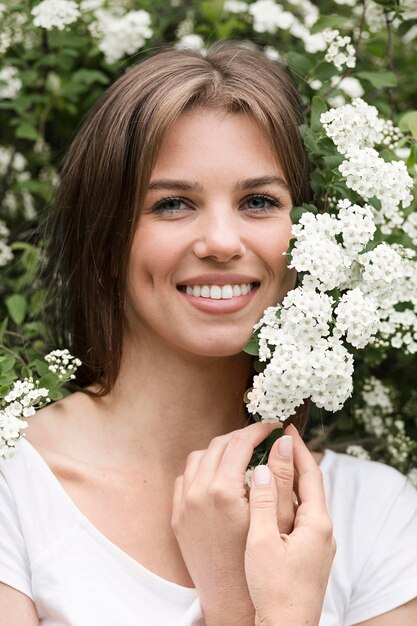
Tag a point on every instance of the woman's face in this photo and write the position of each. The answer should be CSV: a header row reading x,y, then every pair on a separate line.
x,y
207,256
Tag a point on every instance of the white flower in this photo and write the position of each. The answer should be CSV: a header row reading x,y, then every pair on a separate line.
x,y
121,35
410,227
357,317
63,364
10,76
235,6
55,14
191,41
6,253
381,267
359,452
370,176
91,5
357,226
21,401
269,16
354,125
349,85
340,51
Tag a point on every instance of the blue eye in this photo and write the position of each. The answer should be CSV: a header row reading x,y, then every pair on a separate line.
x,y
262,202
171,206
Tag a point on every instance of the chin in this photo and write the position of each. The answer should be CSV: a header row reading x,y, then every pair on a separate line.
x,y
217,347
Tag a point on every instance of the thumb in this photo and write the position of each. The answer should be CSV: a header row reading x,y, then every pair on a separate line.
x,y
263,502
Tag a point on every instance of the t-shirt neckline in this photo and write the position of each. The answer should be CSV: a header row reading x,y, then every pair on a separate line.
x,y
135,567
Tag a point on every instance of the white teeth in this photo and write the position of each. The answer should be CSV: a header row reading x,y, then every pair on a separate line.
x,y
218,292
215,292
227,292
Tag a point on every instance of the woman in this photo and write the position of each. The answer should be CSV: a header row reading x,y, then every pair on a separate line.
x,y
127,503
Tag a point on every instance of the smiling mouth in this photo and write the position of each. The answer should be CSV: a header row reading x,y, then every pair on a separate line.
x,y
218,292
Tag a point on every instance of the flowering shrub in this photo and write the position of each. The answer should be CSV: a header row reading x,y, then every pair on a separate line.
x,y
346,337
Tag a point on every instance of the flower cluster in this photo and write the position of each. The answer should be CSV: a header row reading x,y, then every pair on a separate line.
x,y
356,129
21,402
10,82
377,414
351,283
6,253
340,50
120,35
58,14
26,396
63,364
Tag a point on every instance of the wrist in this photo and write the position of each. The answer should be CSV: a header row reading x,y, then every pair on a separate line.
x,y
229,614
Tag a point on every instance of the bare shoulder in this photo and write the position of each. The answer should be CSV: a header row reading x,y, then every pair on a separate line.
x,y
57,427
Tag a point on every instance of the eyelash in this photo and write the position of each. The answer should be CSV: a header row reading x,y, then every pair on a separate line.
x,y
275,203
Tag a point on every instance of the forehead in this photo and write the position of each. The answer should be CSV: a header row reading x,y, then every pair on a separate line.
x,y
213,141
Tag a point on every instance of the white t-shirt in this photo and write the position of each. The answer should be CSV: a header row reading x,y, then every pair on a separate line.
x,y
77,577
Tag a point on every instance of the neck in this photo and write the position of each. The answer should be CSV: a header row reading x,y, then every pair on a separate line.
x,y
166,403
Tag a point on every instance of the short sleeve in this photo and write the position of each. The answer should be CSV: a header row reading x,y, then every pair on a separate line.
x,y
14,564
388,577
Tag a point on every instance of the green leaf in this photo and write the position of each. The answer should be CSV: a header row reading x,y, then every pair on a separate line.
x,y
379,79
299,62
298,211
88,77
56,394
41,367
27,131
328,21
7,364
309,139
212,10
408,123
332,162
412,159
3,328
50,381
252,347
16,307
25,372
318,107
4,390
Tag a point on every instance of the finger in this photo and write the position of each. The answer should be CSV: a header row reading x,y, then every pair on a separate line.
x,y
281,464
239,450
191,467
227,456
309,482
263,502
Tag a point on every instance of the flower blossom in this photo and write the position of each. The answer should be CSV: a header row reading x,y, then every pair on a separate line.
x,y
63,364
21,401
121,35
340,51
58,14
10,76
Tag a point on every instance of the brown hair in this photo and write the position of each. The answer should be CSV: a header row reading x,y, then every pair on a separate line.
x,y
107,170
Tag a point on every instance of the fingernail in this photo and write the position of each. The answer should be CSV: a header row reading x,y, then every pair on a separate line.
x,y
262,475
285,446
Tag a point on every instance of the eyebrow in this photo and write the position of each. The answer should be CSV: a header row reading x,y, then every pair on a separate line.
x,y
247,183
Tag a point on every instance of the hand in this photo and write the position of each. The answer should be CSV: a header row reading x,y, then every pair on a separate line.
x,y
211,520
287,574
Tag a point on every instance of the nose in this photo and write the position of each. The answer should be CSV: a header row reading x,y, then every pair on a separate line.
x,y
219,236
